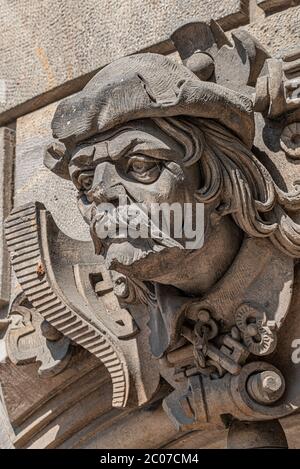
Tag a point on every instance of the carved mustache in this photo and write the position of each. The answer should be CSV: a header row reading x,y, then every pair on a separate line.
x,y
123,223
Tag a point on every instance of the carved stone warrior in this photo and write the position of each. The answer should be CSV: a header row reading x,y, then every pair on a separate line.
x,y
217,129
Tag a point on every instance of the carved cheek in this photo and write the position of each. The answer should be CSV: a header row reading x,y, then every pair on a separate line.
x,y
170,186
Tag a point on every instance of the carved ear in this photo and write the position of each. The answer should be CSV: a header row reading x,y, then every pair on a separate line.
x,y
56,160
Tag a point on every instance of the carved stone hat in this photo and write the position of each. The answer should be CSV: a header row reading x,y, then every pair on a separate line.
x,y
147,85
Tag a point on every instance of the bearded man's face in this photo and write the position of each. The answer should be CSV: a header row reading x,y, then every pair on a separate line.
x,y
136,164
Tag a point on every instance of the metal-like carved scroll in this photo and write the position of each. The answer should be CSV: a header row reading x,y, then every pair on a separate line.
x,y
28,246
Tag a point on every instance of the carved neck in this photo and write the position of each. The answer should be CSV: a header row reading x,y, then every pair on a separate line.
x,y
201,269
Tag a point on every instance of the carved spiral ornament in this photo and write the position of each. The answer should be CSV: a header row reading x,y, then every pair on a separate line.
x,y
290,140
257,334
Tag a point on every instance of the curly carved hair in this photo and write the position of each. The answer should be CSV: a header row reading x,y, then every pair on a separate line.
x,y
235,178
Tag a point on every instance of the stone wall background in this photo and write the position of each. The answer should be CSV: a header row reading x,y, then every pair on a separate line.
x,y
49,50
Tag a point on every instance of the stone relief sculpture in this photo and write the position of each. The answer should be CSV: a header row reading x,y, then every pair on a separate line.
x,y
215,322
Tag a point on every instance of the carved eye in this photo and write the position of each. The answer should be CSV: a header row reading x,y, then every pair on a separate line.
x,y
143,168
85,179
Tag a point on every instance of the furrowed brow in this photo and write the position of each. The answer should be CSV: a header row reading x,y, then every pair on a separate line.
x,y
118,148
83,156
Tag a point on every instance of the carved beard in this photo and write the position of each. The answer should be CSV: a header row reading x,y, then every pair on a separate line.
x,y
125,254
129,254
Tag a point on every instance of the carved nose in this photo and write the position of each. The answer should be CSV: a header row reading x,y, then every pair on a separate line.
x,y
107,185
103,193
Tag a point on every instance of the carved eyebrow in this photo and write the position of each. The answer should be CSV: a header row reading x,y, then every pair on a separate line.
x,y
83,156
101,150
122,145
115,149
118,146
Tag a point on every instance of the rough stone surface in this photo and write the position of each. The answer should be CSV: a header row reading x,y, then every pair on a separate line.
x,y
35,182
279,32
54,42
7,150
6,434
